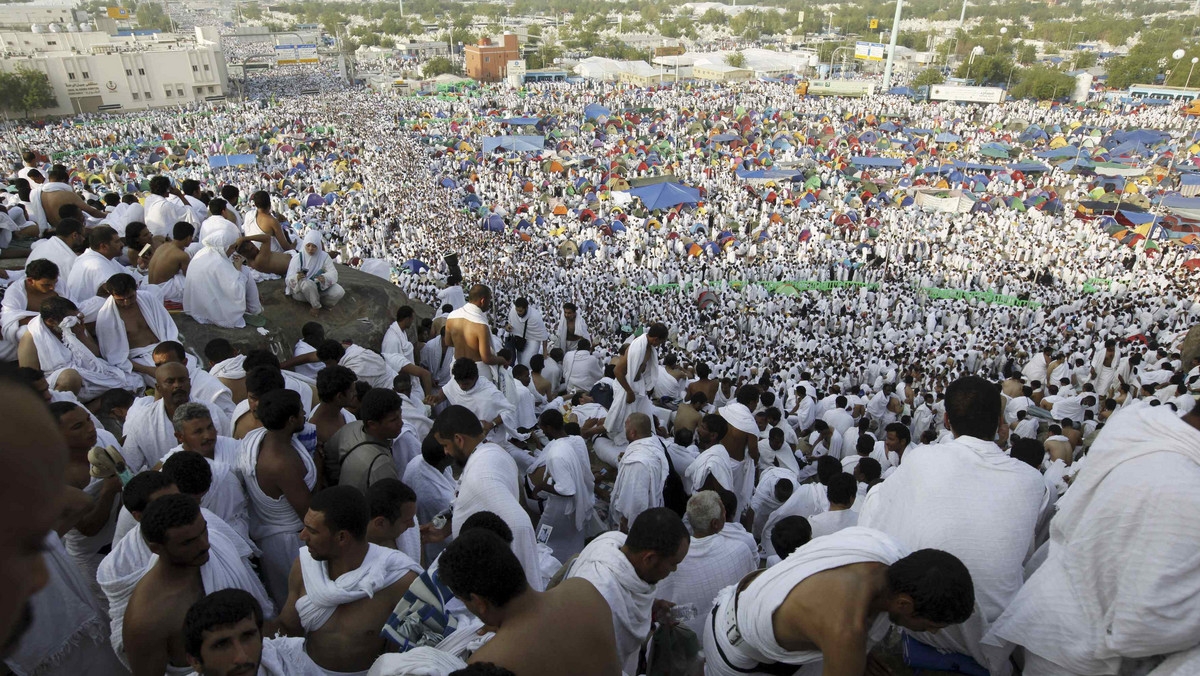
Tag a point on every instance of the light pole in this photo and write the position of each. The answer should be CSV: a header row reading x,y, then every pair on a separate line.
x,y
977,51
1189,77
887,68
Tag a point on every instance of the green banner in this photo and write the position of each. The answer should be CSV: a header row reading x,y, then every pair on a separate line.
x,y
798,285
985,296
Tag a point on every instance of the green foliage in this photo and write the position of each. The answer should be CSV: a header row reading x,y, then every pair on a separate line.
x,y
544,57
986,68
1027,54
439,65
929,76
1086,59
26,90
252,11
1042,83
736,59
1130,70
151,15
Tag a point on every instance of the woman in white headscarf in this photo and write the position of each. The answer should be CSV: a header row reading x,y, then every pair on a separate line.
x,y
312,277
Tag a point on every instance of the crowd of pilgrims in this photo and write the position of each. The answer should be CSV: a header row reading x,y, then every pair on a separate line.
x,y
558,469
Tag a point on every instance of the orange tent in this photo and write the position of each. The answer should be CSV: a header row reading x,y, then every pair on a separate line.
x,y
528,187
695,250
560,210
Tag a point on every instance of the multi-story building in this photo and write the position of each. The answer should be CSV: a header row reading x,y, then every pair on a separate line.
x,y
487,62
94,71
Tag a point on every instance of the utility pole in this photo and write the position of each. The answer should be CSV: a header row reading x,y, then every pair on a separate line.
x,y
887,69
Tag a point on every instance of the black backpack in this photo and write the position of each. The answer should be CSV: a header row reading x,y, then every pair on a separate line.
x,y
674,497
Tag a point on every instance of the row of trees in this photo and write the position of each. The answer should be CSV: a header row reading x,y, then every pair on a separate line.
x,y
1035,82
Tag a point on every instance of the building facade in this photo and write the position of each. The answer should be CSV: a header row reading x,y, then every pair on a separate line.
x,y
487,62
96,72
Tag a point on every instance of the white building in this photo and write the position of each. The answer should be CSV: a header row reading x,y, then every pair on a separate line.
x,y
22,16
94,71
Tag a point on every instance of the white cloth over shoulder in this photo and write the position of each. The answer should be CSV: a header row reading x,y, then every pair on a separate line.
x,y
110,327
381,568
490,483
641,361
1122,578
214,291
629,597
641,474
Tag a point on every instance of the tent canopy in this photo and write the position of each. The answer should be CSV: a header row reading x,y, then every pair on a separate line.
x,y
217,161
514,143
890,162
594,110
666,195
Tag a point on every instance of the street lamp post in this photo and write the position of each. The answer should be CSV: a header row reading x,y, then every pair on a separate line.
x,y
1189,77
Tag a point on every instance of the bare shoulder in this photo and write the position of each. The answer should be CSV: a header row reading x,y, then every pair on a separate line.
x,y
581,594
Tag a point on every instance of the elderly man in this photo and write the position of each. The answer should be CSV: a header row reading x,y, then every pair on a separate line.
x,y
218,289
967,497
641,474
149,427
96,264
206,388
58,344
626,569
717,557
197,433
130,324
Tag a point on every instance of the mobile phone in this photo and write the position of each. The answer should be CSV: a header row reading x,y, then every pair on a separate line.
x,y
144,251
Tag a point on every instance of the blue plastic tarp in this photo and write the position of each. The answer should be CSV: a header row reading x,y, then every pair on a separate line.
x,y
890,162
1190,179
1181,202
773,174
1137,217
1028,167
1065,151
725,138
521,121
594,110
666,195
217,161
514,143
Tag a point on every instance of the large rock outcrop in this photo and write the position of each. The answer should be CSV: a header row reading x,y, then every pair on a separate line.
x,y
363,316
1191,347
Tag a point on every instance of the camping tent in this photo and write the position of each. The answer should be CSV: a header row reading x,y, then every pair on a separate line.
x,y
514,143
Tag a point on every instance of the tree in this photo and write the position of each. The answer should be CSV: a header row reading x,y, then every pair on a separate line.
x,y
252,11
544,57
1042,83
736,59
1027,53
986,68
714,17
438,65
1086,59
1131,70
929,76
25,91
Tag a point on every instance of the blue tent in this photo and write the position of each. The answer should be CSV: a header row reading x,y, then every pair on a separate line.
x,y
587,247
493,223
521,121
594,110
448,183
725,138
515,143
413,266
901,91
947,137
770,174
217,161
666,195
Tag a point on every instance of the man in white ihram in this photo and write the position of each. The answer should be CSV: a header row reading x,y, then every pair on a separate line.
x,y
641,474
969,498
636,372
526,323
716,558
1120,587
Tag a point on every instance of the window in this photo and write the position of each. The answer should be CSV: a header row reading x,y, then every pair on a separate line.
x,y
148,97
128,71
168,92
211,90
487,59
179,91
136,96
206,66
70,76
85,75
141,71
195,69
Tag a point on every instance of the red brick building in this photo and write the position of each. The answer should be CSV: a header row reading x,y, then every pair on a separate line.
x,y
487,62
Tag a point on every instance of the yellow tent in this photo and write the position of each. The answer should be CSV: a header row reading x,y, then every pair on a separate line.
x,y
1057,142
